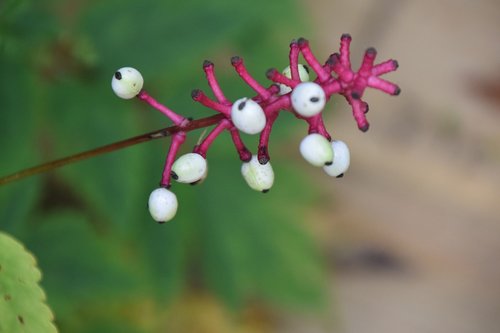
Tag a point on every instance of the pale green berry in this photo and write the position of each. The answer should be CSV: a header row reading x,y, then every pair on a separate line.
x,y
248,116
303,75
162,205
308,99
189,168
341,161
259,177
316,149
127,82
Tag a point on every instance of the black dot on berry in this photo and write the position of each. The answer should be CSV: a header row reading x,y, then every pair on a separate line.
x,y
161,222
265,191
340,176
242,105
329,163
118,75
174,175
314,99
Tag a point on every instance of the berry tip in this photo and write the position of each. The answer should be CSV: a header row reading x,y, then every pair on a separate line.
x,y
195,94
302,42
235,60
364,127
346,36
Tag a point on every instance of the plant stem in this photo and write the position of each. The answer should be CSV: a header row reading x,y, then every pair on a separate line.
x,y
162,133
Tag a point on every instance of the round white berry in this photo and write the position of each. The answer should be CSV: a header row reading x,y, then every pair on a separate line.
x,y
316,149
258,176
308,99
248,116
127,82
189,168
303,75
162,205
341,161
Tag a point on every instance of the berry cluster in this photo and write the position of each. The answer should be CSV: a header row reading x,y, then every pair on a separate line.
x,y
291,90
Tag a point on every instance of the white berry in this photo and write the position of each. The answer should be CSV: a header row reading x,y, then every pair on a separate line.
x,y
316,149
162,205
308,99
127,82
259,177
189,168
303,75
248,116
341,161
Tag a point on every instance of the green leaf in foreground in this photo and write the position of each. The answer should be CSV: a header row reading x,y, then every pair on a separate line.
x,y
22,301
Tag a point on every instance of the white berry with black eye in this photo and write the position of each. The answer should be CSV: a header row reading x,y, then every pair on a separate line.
x,y
317,150
341,161
248,116
303,75
127,82
308,99
189,168
162,205
259,177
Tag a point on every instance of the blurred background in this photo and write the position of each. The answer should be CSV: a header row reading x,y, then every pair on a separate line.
x,y
407,241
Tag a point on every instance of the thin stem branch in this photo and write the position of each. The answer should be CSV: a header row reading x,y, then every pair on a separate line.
x,y
162,133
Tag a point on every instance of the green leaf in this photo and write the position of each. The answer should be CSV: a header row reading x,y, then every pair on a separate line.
x,y
22,301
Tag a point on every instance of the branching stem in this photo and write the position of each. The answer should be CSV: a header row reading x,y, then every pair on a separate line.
x,y
159,134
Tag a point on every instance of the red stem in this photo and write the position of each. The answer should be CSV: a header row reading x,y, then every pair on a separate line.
x,y
177,141
177,119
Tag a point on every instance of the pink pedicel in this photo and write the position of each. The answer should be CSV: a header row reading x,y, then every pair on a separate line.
x,y
177,141
176,118
335,76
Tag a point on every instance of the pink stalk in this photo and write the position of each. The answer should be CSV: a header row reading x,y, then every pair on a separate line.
x,y
275,76
177,140
205,144
383,85
243,152
177,119
345,53
282,103
358,111
385,67
273,89
345,73
240,68
263,151
312,61
316,125
333,87
200,96
364,72
208,67
294,60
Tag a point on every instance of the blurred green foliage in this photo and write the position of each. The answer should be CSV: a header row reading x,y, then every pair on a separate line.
x,y
87,223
